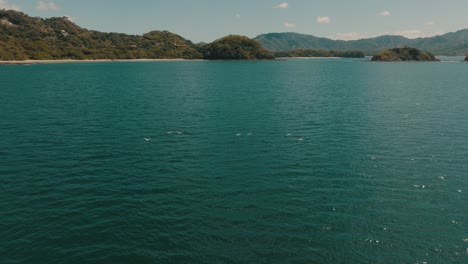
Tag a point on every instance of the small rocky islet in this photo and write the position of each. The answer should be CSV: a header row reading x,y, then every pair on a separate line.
x,y
404,54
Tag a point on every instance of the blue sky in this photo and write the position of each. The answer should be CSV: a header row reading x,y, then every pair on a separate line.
x,y
207,20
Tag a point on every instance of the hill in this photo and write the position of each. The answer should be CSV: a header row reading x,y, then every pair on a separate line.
x,y
23,37
404,54
235,48
448,44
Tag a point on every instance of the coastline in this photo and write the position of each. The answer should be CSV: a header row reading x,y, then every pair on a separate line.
x,y
313,58
28,62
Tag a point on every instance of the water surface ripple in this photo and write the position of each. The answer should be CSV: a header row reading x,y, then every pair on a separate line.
x,y
300,161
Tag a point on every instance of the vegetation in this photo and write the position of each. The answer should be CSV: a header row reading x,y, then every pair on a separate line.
x,y
235,48
320,53
404,54
23,37
447,44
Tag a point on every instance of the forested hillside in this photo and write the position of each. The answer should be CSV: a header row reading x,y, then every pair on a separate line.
x,y
23,37
448,44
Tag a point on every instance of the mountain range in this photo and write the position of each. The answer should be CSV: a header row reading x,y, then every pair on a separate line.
x,y
455,43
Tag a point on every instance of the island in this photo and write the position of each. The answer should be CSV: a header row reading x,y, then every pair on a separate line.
x,y
404,54
234,47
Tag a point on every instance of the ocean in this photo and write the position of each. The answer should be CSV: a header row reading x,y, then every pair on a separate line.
x,y
298,161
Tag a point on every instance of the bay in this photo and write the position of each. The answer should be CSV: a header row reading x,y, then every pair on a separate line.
x,y
298,161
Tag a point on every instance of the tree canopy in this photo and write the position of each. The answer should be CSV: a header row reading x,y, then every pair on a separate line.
x,y
404,54
23,37
235,47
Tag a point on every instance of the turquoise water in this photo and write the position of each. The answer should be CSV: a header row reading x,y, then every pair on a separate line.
x,y
300,161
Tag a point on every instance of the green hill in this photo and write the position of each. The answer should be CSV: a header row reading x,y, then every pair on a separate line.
x,y
235,48
404,54
23,37
448,44
291,41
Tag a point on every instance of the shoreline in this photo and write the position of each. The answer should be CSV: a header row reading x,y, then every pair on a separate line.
x,y
29,62
313,58
33,62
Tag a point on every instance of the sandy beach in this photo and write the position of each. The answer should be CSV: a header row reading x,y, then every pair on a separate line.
x,y
27,62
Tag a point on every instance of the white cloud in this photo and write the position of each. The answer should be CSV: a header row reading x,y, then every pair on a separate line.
x,y
350,36
41,5
323,20
4,4
70,18
282,5
289,25
429,23
385,13
411,33
238,16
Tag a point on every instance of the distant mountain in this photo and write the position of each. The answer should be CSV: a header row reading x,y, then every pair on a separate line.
x,y
320,53
448,44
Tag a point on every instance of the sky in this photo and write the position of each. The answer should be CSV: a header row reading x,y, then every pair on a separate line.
x,y
207,20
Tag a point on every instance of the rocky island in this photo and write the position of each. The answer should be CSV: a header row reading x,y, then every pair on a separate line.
x,y
404,54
